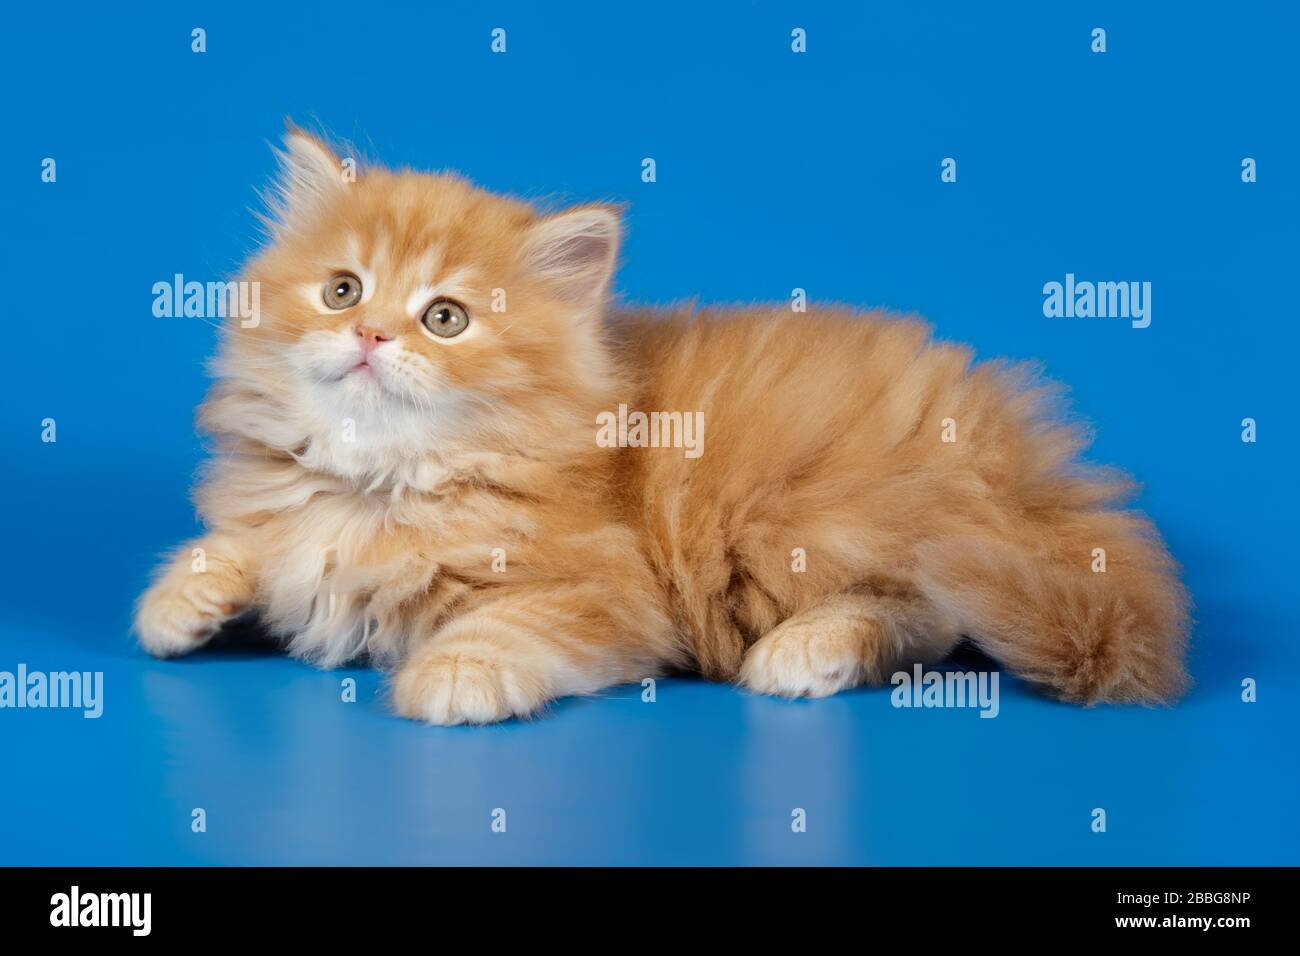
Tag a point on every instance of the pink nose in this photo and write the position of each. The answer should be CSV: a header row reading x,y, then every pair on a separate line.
x,y
370,337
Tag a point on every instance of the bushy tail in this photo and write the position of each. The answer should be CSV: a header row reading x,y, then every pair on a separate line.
x,y
1035,598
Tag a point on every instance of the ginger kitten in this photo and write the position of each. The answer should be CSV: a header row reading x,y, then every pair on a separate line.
x,y
409,466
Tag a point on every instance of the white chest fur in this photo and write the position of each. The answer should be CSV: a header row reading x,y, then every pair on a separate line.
x,y
335,575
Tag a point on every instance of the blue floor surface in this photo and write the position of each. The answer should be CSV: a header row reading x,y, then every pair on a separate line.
x,y
287,772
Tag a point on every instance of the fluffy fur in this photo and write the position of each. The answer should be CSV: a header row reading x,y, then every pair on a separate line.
x,y
449,513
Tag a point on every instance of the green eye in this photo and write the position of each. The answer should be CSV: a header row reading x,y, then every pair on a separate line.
x,y
445,319
342,292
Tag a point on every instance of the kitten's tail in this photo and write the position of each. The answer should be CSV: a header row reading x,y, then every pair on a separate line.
x,y
1085,603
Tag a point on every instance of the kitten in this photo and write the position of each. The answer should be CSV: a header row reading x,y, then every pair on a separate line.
x,y
413,464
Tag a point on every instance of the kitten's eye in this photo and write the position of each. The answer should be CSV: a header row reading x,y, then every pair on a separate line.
x,y
342,292
445,318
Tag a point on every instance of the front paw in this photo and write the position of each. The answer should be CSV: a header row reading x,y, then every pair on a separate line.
x,y
182,611
466,682
804,659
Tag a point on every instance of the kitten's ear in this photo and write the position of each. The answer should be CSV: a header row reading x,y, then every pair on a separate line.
x,y
576,251
309,179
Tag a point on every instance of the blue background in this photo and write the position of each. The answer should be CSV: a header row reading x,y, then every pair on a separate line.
x,y
775,171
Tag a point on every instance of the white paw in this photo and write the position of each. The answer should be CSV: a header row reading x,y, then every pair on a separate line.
x,y
468,682
797,659
181,612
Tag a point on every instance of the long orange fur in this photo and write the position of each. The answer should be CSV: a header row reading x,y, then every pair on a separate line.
x,y
452,516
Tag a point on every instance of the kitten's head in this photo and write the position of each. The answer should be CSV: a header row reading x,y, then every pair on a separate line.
x,y
400,311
